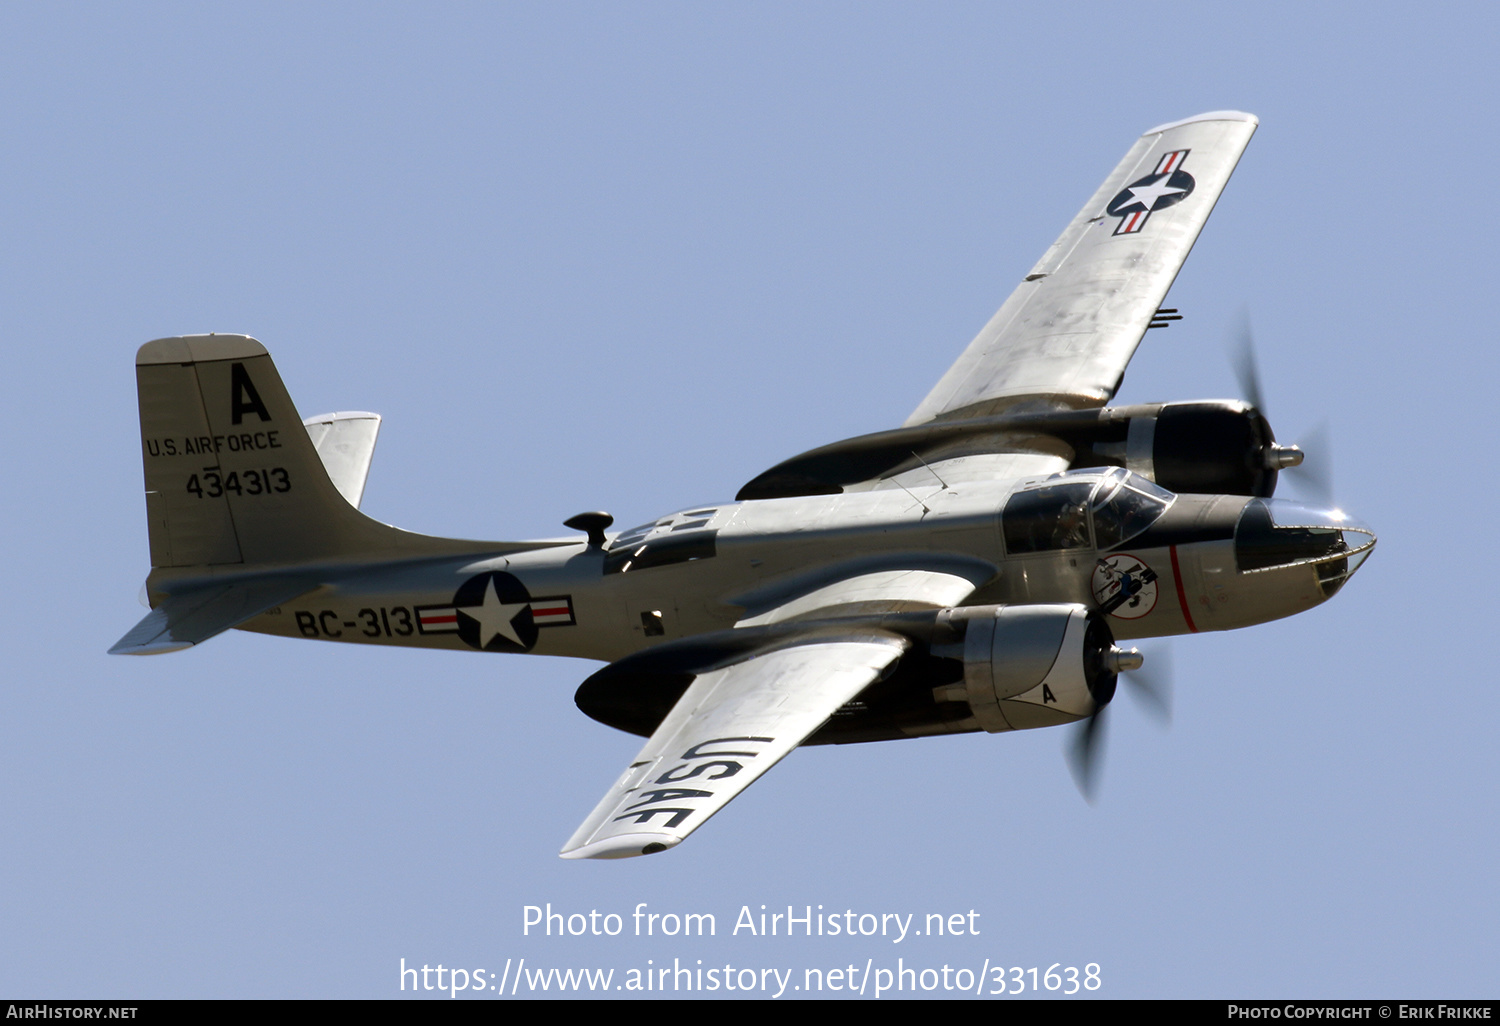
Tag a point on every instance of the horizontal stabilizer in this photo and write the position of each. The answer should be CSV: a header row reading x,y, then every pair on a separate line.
x,y
346,444
185,619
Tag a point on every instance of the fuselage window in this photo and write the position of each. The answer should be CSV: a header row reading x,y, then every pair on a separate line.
x,y
661,550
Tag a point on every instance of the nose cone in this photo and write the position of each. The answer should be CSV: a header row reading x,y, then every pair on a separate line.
x,y
1278,533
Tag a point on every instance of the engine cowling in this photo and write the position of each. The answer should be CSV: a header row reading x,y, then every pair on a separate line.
x,y
1213,446
1037,665
1219,448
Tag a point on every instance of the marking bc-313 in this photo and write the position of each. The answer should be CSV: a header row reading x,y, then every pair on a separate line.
x,y
382,622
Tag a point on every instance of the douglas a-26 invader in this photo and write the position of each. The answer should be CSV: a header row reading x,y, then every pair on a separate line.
x,y
968,571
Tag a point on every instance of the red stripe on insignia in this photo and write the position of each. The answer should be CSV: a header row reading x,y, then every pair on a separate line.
x,y
551,611
1182,593
440,619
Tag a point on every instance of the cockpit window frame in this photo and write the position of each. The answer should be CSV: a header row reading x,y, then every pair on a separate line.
x,y
679,538
1025,532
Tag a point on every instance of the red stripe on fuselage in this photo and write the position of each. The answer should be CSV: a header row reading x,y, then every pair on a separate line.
x,y
1181,592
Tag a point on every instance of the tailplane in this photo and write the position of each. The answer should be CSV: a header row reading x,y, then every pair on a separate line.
x,y
346,444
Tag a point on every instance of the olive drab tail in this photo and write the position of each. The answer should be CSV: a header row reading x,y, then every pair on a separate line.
x,y
241,510
231,474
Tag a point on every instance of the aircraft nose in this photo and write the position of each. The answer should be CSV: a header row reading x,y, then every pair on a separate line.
x,y
1274,533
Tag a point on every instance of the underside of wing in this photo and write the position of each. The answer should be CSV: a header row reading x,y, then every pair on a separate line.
x,y
723,708
732,724
1064,337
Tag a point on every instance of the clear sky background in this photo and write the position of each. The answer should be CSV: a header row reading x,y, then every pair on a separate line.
x,y
625,257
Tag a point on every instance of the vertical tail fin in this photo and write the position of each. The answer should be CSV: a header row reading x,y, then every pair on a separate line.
x,y
242,511
232,477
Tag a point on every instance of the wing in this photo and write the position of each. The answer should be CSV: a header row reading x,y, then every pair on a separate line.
x,y
764,688
729,727
1064,337
872,592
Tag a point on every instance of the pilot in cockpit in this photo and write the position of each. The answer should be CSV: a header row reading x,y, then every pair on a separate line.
x,y
1072,526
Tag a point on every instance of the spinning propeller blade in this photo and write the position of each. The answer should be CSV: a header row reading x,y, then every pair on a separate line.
x,y
1246,369
1085,752
1310,465
1315,475
1152,688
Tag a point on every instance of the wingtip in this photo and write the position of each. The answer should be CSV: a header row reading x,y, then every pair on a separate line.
x,y
621,846
1212,115
151,648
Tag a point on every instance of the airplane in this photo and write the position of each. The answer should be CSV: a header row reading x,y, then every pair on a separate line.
x,y
969,571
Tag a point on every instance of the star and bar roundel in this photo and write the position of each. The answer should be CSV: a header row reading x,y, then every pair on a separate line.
x,y
1167,185
494,612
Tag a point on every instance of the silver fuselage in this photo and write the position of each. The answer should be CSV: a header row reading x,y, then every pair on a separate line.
x,y
767,552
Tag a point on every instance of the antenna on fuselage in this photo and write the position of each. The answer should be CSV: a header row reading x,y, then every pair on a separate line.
x,y
934,473
594,523
908,491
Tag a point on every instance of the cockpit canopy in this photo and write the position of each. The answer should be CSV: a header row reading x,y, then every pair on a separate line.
x,y
679,538
1081,509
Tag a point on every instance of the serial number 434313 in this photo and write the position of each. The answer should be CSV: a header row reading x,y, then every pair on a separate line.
x,y
250,482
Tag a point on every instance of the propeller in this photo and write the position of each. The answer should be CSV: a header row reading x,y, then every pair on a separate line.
x,y
1246,367
1315,475
1085,752
1311,467
1152,689
1152,686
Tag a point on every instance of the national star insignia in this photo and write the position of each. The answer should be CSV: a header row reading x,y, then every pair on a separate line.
x,y
1150,194
495,617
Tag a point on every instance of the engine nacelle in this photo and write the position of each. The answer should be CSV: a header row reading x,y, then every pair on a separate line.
x,y
992,668
1216,446
1213,446
1035,665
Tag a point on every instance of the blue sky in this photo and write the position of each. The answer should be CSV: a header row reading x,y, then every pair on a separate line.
x,y
626,257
